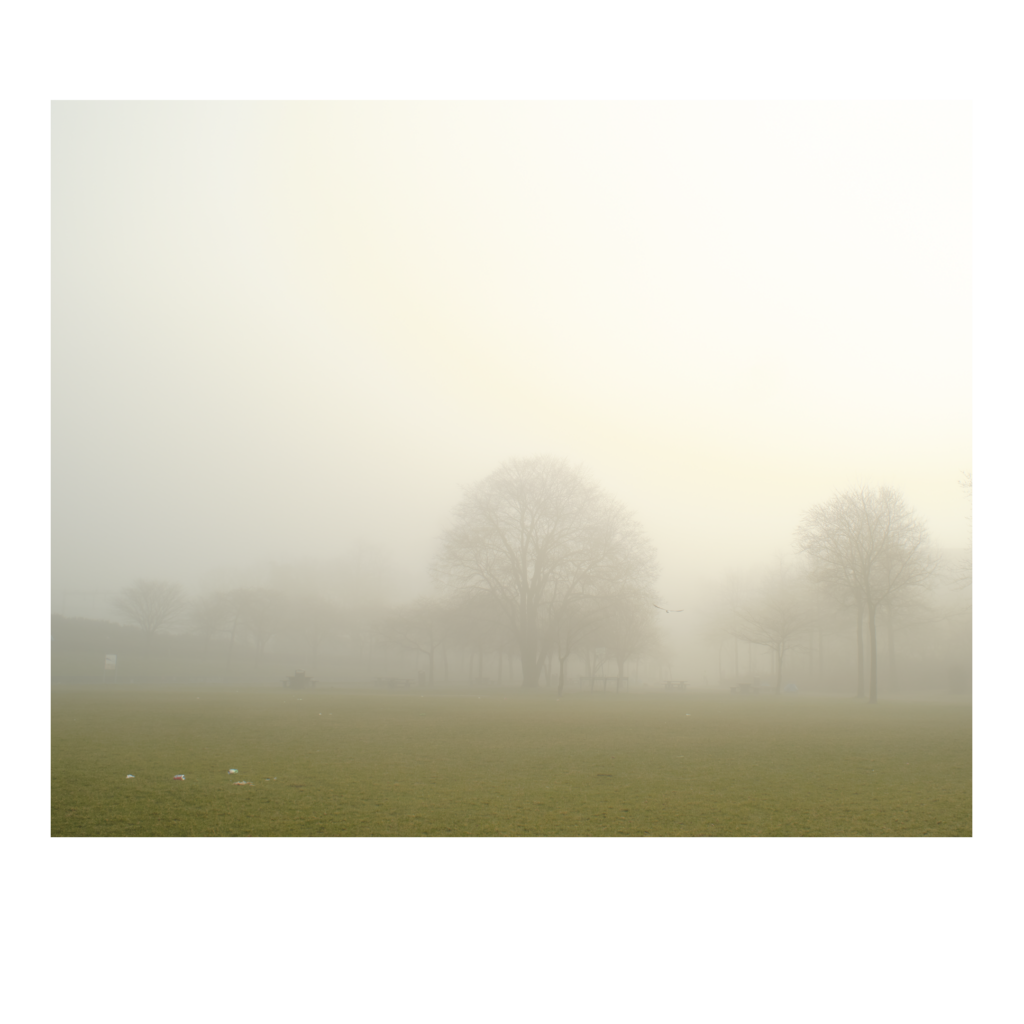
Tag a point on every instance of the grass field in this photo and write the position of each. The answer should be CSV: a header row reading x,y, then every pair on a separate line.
x,y
356,763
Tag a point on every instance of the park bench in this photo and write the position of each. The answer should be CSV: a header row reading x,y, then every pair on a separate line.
x,y
299,681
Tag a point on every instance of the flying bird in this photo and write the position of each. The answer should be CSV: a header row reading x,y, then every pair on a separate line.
x,y
667,610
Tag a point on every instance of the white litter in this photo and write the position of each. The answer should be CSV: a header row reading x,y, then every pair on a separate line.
x,y
129,776
241,783
180,778
232,771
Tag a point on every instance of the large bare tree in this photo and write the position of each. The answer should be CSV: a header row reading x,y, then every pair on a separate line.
x,y
867,545
536,535
152,605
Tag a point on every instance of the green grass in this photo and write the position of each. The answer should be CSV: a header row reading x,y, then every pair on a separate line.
x,y
504,764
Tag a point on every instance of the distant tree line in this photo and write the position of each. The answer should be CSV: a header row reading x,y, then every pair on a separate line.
x,y
540,567
862,558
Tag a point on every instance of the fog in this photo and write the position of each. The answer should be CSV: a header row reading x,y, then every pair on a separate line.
x,y
283,334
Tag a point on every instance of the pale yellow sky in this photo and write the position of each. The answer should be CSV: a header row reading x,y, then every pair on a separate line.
x,y
281,329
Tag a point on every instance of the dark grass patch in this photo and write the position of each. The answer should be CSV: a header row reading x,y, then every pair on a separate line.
x,y
507,764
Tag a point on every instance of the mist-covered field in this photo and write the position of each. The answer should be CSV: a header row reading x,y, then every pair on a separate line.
x,y
537,410
504,763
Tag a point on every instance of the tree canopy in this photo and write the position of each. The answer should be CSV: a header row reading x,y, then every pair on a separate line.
x,y
151,605
537,536
867,545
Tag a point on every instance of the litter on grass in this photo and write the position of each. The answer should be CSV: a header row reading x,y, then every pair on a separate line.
x,y
241,783
129,776
232,771
180,778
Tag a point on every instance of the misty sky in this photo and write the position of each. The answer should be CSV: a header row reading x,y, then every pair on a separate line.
x,y
280,330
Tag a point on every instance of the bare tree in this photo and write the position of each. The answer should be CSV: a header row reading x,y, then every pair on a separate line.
x,y
314,619
867,545
208,615
152,605
535,535
476,623
420,627
627,628
263,612
573,623
903,611
779,615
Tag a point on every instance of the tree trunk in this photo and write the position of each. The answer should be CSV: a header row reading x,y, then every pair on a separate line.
x,y
860,651
873,640
821,656
528,641
231,644
890,650
528,658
